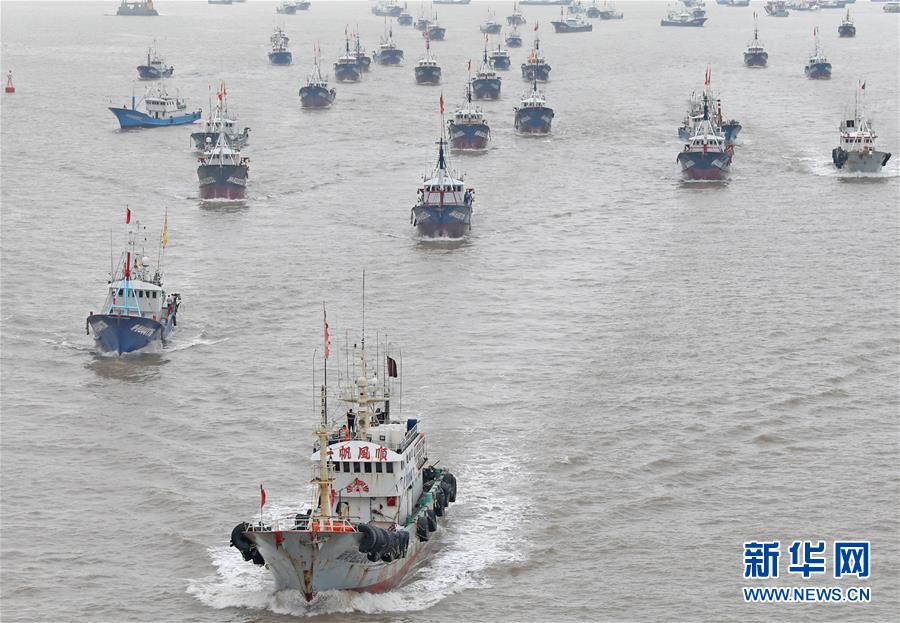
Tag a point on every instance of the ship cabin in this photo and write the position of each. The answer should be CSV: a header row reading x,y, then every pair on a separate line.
x,y
468,115
377,479
161,106
136,297
444,190
856,135
706,139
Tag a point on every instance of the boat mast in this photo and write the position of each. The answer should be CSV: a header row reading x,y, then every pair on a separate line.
x,y
324,479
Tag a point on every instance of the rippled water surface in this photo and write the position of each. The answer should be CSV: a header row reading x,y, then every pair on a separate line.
x,y
631,376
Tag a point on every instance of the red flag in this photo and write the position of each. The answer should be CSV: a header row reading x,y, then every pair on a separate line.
x,y
442,103
262,496
535,26
327,335
332,496
127,215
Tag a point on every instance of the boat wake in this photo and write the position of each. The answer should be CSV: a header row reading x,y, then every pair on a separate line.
x,y
199,340
472,543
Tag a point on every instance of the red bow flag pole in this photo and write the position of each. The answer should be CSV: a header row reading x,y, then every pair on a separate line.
x,y
262,502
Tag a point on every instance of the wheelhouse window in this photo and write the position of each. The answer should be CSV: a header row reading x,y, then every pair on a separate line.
x,y
356,467
378,468
347,467
368,467
390,467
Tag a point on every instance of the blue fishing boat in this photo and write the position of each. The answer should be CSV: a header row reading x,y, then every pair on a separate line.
x,y
435,31
468,129
514,39
388,53
500,58
422,23
137,312
683,18
776,8
444,205
706,156
755,55
348,67
387,8
156,67
605,11
280,54
289,7
316,93
362,59
698,111
847,27
533,115
220,121
486,83
161,110
491,26
536,67
405,18
818,67
427,70
516,18
570,23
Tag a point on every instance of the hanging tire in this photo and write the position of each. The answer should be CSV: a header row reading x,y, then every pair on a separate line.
x,y
244,545
368,538
432,520
452,493
422,528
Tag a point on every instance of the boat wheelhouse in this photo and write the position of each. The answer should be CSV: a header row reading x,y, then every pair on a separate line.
x,y
220,121
140,8
536,67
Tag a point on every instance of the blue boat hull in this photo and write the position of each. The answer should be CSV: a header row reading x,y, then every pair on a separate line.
x,y
534,120
541,73
846,30
756,59
712,166
281,58
468,135
436,33
428,75
390,57
347,72
514,42
316,97
486,88
818,71
447,221
228,181
127,334
148,72
130,118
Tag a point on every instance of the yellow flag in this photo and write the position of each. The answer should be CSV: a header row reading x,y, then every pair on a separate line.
x,y
164,239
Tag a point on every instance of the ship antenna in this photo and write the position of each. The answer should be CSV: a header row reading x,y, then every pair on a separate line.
x,y
364,311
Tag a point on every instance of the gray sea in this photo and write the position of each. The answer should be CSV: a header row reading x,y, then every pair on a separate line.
x,y
630,375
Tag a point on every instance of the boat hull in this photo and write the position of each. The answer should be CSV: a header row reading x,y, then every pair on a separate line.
x,y
442,221
469,136
347,72
437,33
536,120
501,63
148,72
428,75
756,59
696,22
818,71
131,118
859,161
281,58
312,96
730,130
493,29
227,181
541,73
390,57
364,62
486,88
846,30
405,20
705,166
514,42
126,334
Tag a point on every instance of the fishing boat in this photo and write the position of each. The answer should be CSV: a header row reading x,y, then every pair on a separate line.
x,y
514,39
575,8
698,106
516,18
9,88
459,2
569,23
387,8
500,58
486,83
348,67
847,27
604,11
388,53
857,152
444,205
160,109
378,500
427,71
683,18
776,8
287,7
220,121
156,67
422,22
219,1
316,94
831,4
803,5
223,172
280,54
536,67
435,31
755,55
141,8
490,26
817,67
362,59
468,129
891,7
533,115
405,18
706,156
137,313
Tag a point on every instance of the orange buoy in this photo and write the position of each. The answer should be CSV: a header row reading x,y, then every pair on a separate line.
x,y
9,85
